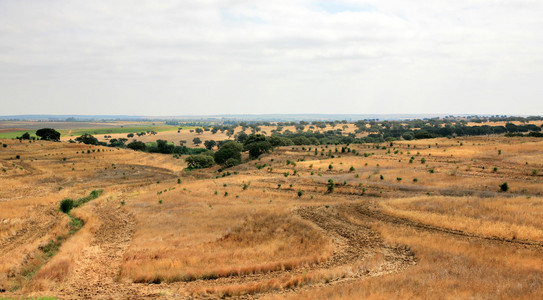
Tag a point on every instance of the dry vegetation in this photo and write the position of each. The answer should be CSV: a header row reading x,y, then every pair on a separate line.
x,y
411,219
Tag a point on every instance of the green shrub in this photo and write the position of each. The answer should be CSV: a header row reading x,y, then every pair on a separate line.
x,y
232,162
199,161
504,187
95,194
331,185
66,205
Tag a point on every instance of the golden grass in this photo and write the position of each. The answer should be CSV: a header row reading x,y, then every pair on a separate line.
x,y
45,173
511,218
208,227
218,237
286,282
447,269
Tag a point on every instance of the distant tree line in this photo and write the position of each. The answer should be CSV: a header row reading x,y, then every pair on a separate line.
x,y
228,152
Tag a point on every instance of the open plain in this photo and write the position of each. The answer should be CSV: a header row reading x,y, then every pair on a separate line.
x,y
407,219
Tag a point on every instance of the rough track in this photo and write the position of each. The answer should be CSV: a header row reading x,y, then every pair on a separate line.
x,y
95,274
360,239
355,243
367,212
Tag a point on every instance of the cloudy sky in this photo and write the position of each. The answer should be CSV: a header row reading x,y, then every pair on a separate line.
x,y
283,56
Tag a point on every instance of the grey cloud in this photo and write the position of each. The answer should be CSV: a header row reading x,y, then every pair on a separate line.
x,y
241,56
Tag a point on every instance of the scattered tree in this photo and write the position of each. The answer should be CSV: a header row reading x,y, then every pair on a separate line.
x,y
199,161
164,147
257,145
330,186
88,139
25,136
48,134
137,145
210,144
227,151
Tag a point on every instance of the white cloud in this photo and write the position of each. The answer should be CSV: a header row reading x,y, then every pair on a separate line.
x,y
237,56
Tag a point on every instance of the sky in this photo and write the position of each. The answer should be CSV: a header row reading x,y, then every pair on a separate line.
x,y
207,57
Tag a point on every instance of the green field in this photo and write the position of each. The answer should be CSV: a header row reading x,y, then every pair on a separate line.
x,y
14,134
97,131
113,130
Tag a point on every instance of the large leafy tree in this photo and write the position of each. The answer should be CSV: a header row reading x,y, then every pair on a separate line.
x,y
137,145
88,139
210,144
48,134
118,142
164,147
227,151
257,145
199,161
241,136
278,141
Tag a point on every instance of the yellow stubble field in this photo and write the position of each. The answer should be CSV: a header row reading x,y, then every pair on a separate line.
x,y
411,219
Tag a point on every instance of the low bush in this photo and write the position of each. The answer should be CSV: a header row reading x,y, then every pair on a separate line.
x,y
66,205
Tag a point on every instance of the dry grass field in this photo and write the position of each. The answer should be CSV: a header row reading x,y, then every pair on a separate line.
x,y
412,219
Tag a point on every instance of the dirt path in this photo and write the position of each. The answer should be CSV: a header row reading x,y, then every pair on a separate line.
x,y
361,241
95,274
